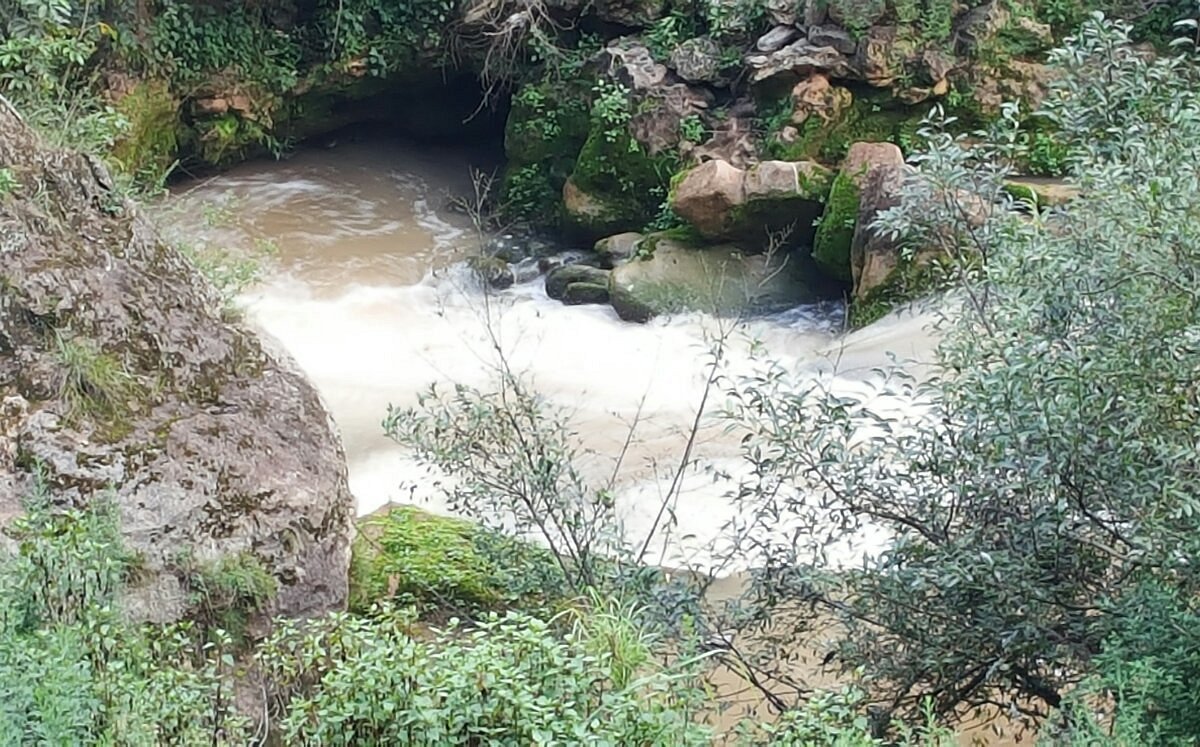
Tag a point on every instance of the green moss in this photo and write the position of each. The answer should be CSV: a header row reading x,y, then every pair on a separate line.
x,y
614,170
870,118
437,562
226,139
545,131
831,245
149,146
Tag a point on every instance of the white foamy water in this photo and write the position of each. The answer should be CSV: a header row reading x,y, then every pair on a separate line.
x,y
368,295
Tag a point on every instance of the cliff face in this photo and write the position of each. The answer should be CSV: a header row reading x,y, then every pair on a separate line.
x,y
119,378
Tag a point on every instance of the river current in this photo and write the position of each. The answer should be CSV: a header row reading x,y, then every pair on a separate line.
x,y
368,293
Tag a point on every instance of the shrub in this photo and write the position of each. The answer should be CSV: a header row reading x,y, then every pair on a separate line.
x,y
1046,462
510,680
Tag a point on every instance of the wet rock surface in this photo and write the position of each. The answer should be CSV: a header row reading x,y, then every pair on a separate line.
x,y
121,379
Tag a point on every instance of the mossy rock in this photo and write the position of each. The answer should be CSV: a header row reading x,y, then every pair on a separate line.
x,y
870,118
910,281
619,178
402,553
149,146
558,279
547,121
543,135
831,245
579,294
672,277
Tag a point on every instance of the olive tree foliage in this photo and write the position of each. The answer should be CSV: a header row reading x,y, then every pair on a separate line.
x,y
1047,468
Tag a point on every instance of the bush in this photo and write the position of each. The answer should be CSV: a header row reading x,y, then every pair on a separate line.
x,y
1047,461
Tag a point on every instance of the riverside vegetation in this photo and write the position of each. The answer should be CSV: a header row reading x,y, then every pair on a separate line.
x,y
1041,512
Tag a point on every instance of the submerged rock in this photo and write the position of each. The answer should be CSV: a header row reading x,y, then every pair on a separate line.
x,y
122,381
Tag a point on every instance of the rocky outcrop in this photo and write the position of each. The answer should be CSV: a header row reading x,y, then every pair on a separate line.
x,y
120,379
723,201
832,243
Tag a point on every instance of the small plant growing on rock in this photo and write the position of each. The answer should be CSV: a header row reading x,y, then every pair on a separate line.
x,y
8,182
92,382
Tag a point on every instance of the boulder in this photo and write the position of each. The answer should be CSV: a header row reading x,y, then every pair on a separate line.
x,y
733,139
874,256
697,60
880,57
796,61
616,249
676,277
579,294
591,213
832,244
722,201
815,96
633,65
558,279
121,379
707,195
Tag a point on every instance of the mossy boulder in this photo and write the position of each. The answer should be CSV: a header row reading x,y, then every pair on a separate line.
x,y
835,233
578,294
561,278
613,185
149,145
674,277
402,553
826,136
615,249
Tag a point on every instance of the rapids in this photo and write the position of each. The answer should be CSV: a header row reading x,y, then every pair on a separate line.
x,y
368,293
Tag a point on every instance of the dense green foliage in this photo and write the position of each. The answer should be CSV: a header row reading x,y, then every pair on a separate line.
x,y
1043,488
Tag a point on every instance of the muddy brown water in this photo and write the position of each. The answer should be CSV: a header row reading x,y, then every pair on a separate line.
x,y
368,293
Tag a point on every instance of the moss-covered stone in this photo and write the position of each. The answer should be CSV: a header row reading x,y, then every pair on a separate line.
x,y
908,282
871,117
149,146
620,178
545,131
405,554
831,245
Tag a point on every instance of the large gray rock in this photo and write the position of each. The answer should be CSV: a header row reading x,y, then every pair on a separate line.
x,y
121,379
721,280
558,279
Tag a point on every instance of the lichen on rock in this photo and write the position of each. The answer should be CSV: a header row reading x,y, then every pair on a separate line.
x,y
219,446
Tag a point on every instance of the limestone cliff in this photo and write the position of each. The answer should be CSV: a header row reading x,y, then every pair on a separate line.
x,y
120,378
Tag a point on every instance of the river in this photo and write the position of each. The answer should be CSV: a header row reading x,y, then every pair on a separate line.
x,y
368,293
